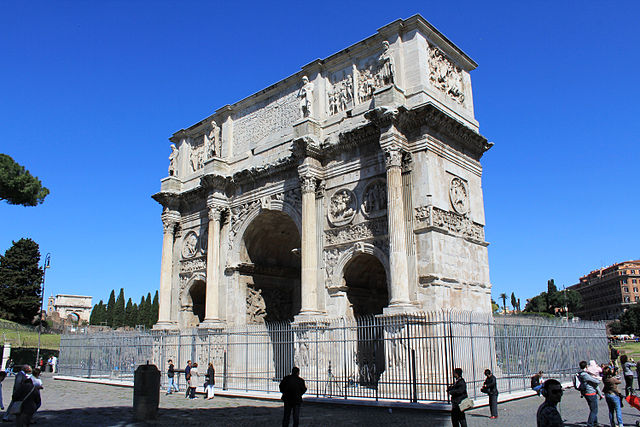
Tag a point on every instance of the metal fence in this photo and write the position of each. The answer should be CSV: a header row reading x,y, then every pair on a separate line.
x,y
408,357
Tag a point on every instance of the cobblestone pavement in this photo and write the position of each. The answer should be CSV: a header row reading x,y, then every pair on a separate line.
x,y
67,404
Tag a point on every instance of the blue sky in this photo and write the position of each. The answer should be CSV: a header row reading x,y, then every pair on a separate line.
x,y
90,92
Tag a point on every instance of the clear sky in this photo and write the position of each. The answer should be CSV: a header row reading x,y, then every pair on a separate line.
x,y
91,90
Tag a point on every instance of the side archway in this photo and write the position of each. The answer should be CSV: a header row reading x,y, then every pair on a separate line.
x,y
192,300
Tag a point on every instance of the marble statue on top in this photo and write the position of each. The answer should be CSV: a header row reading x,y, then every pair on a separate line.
x,y
305,96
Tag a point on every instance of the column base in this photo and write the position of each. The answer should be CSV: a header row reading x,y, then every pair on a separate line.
x,y
165,326
399,308
308,316
211,324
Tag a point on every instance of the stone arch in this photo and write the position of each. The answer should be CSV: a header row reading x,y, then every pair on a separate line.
x,y
197,280
355,250
73,316
266,204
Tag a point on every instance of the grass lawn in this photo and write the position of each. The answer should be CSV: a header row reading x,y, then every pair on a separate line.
x,y
631,349
30,339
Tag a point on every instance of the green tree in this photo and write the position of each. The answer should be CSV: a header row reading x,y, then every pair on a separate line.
x,y
95,317
141,313
551,287
134,315
18,186
495,308
128,314
148,311
155,308
514,301
537,304
629,322
20,280
118,310
503,296
111,306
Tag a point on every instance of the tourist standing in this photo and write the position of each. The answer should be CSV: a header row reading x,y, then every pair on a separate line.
x,y
490,387
628,374
193,382
588,388
20,377
614,354
292,388
171,373
548,415
28,393
210,381
612,396
187,377
458,392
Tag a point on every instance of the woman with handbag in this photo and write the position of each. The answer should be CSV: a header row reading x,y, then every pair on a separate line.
x,y
458,392
210,381
490,387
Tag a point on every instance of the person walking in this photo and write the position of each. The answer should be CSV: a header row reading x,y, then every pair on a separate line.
x,y
171,374
458,392
612,396
490,387
628,374
3,375
548,415
210,381
187,377
588,388
292,388
193,382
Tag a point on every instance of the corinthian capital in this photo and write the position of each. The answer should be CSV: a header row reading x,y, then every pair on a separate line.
x,y
393,157
169,225
308,183
215,213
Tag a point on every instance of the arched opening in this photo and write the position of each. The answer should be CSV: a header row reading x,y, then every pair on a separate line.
x,y
197,293
270,269
366,282
73,317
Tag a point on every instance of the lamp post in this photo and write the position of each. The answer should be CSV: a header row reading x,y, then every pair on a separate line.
x,y
47,261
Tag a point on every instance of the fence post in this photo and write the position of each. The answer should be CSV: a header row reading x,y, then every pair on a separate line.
x,y
414,380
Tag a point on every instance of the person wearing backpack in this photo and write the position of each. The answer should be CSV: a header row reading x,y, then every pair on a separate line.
x,y
588,388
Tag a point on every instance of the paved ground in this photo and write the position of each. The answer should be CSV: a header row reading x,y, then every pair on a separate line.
x,y
67,404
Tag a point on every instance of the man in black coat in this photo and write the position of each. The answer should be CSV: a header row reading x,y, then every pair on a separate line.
x,y
458,392
20,377
292,388
491,388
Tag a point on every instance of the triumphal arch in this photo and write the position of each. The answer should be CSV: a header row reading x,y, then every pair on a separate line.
x,y
352,187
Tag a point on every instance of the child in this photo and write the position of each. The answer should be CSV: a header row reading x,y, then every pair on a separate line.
x,y
3,375
595,371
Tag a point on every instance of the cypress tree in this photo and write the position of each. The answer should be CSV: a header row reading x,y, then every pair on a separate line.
x,y
118,311
95,314
20,280
111,305
140,319
101,315
155,308
147,311
134,315
128,314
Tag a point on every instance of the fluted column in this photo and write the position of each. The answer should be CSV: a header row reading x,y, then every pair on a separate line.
x,y
166,272
397,234
211,318
309,282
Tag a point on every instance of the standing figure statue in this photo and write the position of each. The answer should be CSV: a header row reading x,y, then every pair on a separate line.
x,y
213,140
387,72
305,94
173,160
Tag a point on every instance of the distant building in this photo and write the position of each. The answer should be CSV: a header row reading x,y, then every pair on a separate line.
x,y
607,292
72,307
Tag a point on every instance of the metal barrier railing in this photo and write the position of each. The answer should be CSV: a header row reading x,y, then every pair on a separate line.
x,y
407,357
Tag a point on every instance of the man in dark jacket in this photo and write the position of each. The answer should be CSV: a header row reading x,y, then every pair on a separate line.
x,y
292,388
30,397
20,377
458,392
491,388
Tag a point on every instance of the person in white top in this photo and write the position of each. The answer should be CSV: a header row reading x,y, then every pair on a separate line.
x,y
195,377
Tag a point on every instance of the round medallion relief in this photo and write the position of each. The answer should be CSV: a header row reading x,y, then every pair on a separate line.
x,y
459,195
374,199
190,245
342,207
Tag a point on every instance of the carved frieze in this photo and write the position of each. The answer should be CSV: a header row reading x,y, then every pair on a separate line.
x,y
451,222
342,207
444,75
351,233
340,94
256,307
374,199
331,257
459,195
193,264
265,118
375,74
190,245
197,154
212,140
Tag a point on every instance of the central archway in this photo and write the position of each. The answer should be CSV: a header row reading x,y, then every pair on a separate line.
x,y
366,281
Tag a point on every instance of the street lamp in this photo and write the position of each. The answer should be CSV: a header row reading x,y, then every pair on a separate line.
x,y
47,261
